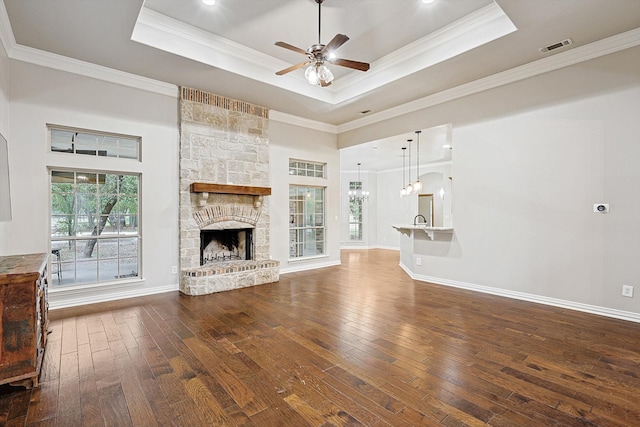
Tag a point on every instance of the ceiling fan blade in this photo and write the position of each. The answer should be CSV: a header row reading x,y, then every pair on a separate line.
x,y
356,65
291,47
335,43
293,68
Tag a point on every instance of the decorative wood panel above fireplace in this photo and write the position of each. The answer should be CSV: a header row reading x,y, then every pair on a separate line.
x,y
204,188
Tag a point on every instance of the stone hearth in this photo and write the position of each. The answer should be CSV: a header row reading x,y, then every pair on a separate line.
x,y
224,185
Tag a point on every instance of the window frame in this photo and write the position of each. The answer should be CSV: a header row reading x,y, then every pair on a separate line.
x,y
97,152
299,225
59,257
307,168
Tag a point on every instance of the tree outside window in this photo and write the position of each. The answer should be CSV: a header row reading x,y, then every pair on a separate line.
x,y
355,213
94,226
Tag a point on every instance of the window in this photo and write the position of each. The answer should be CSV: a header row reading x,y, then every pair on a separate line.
x,y
355,213
306,221
304,168
94,144
95,234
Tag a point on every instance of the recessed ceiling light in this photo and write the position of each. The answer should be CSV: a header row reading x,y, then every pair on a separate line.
x,y
427,1
209,2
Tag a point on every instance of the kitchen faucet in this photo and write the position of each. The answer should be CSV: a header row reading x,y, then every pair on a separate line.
x,y
424,220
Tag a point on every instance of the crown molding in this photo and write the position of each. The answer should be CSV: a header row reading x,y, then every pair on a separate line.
x,y
574,56
171,35
7,39
63,63
302,122
87,69
469,32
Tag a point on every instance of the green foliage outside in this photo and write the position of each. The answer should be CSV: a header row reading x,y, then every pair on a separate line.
x,y
83,203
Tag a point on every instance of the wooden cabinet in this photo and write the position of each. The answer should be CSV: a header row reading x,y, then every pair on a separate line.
x,y
23,321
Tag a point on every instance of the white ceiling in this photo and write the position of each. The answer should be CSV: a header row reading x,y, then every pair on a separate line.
x,y
416,50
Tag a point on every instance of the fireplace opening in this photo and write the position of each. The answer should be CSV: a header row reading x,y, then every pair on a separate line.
x,y
226,245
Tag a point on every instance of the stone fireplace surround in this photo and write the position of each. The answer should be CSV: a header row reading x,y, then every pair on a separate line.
x,y
224,179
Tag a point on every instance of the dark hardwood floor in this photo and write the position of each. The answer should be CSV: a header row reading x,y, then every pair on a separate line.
x,y
357,344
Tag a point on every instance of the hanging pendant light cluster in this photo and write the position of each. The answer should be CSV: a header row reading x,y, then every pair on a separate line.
x,y
360,194
416,187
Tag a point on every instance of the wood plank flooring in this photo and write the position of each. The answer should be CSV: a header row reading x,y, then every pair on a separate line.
x,y
357,344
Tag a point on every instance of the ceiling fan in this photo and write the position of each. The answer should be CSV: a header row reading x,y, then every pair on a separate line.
x,y
317,54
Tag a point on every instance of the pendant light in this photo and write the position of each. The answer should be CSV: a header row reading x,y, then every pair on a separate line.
x,y
417,186
403,192
409,187
359,194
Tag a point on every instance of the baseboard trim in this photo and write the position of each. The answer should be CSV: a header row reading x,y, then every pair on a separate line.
x,y
60,300
388,248
351,247
555,302
305,267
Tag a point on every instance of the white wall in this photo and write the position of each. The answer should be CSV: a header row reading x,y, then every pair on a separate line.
x,y
5,196
529,161
288,141
525,186
40,96
4,92
392,209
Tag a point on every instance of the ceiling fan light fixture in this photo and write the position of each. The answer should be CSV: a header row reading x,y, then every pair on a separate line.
x,y
325,74
312,75
317,54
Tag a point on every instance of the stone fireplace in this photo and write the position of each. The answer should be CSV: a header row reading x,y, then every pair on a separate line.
x,y
224,194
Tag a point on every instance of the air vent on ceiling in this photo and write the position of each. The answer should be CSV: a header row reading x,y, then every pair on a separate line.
x,y
554,46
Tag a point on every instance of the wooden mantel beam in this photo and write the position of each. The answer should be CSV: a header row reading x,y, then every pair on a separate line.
x,y
203,187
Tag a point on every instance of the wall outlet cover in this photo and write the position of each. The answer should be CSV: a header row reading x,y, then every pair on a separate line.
x,y
627,291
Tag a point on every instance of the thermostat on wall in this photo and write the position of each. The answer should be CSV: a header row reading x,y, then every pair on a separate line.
x,y
601,207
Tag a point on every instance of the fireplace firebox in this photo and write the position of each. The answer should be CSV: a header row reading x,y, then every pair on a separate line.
x,y
226,245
